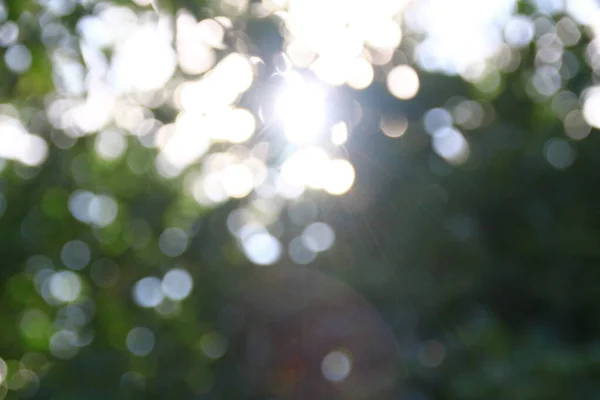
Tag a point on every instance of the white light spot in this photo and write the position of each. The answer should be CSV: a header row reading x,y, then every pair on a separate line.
x,y
18,144
9,32
339,134
262,248
18,58
591,107
79,203
519,31
177,284
339,177
147,292
403,82
239,126
102,210
110,144
65,286
144,61
336,366
238,181
450,144
361,74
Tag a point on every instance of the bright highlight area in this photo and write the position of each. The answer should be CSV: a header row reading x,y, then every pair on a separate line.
x,y
302,109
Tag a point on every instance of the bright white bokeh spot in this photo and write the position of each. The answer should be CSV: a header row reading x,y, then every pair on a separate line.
x,y
336,366
186,141
262,248
144,61
238,181
458,34
177,284
9,31
102,210
339,134
386,34
211,32
236,71
194,42
140,341
451,145
195,58
59,7
173,242
403,82
240,125
209,190
318,236
332,70
302,110
110,144
65,286
18,144
147,292
339,177
220,87
18,58
591,107
307,167
213,345
79,203
75,254
519,31
361,74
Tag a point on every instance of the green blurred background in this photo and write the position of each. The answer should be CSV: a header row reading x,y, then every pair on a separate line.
x,y
455,255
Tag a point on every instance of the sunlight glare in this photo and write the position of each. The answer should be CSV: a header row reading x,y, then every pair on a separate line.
x,y
306,168
301,107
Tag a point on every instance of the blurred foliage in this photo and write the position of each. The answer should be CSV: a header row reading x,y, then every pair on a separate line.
x,y
483,270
